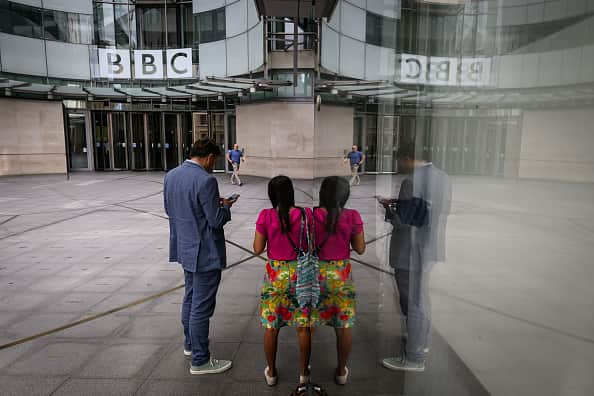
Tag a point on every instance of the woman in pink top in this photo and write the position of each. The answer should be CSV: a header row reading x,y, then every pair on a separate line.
x,y
336,230
278,229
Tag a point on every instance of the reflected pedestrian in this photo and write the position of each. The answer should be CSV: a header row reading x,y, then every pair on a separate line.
x,y
419,217
234,157
336,230
356,159
281,230
197,215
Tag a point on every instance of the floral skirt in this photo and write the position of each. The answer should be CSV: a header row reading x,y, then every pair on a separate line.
x,y
278,300
337,295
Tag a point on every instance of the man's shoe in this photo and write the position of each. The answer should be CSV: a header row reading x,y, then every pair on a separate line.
x,y
187,353
214,366
240,184
400,363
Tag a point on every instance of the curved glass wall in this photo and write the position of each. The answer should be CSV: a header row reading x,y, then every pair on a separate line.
x,y
34,22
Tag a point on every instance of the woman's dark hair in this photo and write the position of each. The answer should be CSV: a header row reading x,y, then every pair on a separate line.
x,y
282,197
334,193
204,147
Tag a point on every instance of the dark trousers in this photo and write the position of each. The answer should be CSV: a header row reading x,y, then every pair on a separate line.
x,y
197,309
413,290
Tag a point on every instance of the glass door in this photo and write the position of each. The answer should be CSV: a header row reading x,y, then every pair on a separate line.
x,y
137,139
388,143
187,134
171,141
102,144
217,133
118,130
371,144
77,142
155,140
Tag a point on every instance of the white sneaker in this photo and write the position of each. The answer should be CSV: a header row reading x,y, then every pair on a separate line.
x,y
270,381
342,379
214,366
187,353
401,363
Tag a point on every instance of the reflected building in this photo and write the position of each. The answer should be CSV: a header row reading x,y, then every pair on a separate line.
x,y
485,87
498,94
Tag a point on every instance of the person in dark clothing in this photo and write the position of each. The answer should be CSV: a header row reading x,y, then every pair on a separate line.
x,y
419,217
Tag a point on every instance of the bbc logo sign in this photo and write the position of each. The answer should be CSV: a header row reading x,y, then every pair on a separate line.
x,y
424,70
148,64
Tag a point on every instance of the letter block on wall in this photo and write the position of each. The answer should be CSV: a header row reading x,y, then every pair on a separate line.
x,y
148,65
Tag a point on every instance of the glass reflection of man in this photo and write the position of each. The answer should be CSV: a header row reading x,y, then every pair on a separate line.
x,y
235,157
419,218
356,159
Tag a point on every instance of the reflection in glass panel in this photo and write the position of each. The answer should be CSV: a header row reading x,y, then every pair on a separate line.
x,y
137,141
101,140
217,131
25,20
151,27
77,141
304,87
172,27
118,128
211,25
155,141
171,143
187,134
104,24
122,25
187,26
55,25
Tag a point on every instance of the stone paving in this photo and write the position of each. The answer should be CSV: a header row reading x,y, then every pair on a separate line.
x,y
80,248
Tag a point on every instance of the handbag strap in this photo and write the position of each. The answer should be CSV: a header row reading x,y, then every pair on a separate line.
x,y
316,248
303,227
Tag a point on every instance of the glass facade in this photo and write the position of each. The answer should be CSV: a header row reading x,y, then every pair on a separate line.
x,y
461,133
210,25
28,21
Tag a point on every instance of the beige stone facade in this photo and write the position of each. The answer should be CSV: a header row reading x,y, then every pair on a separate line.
x,y
31,137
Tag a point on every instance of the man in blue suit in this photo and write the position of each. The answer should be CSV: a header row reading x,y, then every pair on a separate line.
x,y
197,215
419,217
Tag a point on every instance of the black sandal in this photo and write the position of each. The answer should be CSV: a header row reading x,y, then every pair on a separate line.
x,y
318,390
301,390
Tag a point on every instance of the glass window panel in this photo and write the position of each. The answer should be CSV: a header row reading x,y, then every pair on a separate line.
x,y
55,25
5,22
26,20
381,31
172,31
86,29
151,27
79,28
104,24
133,36
122,25
187,23
211,25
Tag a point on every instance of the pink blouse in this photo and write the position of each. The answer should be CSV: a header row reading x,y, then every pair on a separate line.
x,y
338,245
277,243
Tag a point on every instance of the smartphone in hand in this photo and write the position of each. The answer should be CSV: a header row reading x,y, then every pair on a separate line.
x,y
233,197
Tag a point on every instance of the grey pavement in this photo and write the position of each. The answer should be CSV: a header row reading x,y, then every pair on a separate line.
x,y
95,247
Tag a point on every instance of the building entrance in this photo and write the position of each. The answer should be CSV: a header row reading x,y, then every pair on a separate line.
x,y
151,140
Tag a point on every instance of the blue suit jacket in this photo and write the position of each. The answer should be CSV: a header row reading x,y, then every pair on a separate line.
x,y
196,218
416,247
